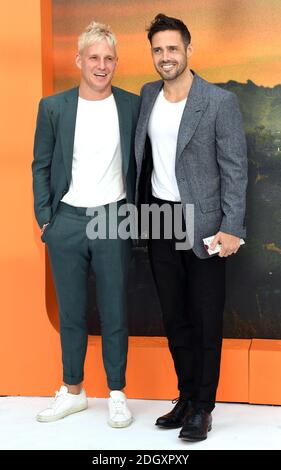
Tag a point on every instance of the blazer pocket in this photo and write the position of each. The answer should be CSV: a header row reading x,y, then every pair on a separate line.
x,y
210,204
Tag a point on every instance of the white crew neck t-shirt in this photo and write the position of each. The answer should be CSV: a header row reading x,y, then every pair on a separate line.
x,y
97,177
163,128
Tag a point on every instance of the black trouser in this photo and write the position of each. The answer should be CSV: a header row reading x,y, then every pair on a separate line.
x,y
192,294
71,253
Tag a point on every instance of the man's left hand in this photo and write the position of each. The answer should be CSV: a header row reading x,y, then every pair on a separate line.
x,y
230,244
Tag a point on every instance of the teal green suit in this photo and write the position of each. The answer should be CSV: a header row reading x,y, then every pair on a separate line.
x,y
53,147
71,252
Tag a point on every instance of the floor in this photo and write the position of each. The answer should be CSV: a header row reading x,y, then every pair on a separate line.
x,y
235,426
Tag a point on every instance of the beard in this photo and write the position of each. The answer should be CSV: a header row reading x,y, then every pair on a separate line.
x,y
171,74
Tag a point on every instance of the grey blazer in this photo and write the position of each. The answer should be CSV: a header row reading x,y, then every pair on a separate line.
x,y
211,159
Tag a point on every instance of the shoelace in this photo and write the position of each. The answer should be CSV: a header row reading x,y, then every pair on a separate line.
x,y
57,400
59,395
118,406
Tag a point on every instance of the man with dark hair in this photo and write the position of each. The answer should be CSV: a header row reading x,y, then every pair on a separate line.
x,y
191,149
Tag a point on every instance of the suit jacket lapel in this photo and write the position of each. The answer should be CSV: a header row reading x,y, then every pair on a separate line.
x,y
148,101
195,105
125,126
67,130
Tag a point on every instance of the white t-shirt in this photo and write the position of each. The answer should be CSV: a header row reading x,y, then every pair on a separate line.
x,y
97,177
163,128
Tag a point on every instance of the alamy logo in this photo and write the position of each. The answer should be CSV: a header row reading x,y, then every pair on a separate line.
x,y
125,221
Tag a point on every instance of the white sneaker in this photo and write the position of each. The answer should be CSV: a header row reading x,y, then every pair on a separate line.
x,y
65,403
119,413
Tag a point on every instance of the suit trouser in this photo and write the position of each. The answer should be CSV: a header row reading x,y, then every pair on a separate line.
x,y
192,295
71,254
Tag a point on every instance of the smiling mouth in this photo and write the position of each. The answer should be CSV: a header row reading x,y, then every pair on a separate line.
x,y
167,67
100,75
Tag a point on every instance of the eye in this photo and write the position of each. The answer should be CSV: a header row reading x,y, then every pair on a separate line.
x,y
156,50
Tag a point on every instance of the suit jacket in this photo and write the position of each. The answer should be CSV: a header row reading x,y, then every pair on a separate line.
x,y
53,147
211,159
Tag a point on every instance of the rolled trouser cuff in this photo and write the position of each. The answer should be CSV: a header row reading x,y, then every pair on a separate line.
x,y
116,385
71,380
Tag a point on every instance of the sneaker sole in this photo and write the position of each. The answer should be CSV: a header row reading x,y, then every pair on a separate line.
x,y
120,424
49,419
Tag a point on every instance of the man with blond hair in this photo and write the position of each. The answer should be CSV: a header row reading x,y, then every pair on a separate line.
x,y
83,159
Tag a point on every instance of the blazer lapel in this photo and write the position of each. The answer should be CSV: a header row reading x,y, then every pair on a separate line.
x,y
148,101
125,126
67,130
196,103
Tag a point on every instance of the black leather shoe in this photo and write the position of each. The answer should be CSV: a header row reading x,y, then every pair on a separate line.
x,y
176,417
196,426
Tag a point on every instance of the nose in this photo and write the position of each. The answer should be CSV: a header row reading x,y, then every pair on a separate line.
x,y
101,64
165,56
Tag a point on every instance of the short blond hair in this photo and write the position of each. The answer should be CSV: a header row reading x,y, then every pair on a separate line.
x,y
96,32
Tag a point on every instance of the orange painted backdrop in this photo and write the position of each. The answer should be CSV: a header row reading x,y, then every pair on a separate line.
x,y
28,341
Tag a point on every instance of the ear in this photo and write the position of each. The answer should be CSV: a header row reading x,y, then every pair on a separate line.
x,y
78,61
189,50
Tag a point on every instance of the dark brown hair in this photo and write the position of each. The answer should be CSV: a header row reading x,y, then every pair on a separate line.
x,y
162,22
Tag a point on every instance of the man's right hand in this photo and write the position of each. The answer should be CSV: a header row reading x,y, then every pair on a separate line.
x,y
44,227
